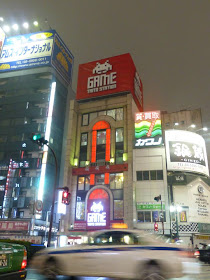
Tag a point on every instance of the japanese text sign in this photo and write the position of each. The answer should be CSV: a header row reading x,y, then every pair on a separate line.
x,y
186,151
37,50
14,226
148,132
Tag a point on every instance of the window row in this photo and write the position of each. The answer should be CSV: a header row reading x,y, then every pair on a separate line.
x,y
151,216
116,114
149,175
118,210
115,180
101,139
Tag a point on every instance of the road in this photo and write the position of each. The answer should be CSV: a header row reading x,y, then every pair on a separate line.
x,y
205,275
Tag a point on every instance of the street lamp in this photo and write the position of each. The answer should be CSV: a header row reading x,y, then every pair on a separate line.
x,y
176,209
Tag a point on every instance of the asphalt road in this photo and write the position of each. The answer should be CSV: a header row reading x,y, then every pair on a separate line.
x,y
205,275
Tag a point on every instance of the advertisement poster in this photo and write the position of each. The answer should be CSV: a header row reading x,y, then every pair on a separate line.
x,y
108,76
186,151
199,204
2,38
148,131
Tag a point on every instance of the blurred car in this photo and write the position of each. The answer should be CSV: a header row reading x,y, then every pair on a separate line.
x,y
117,254
13,261
203,254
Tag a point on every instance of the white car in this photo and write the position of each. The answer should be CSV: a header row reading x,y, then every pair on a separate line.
x,y
117,254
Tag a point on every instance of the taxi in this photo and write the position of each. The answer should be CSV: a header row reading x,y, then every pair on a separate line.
x,y
117,253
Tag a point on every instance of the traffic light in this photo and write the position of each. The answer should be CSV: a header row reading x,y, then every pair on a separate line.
x,y
66,196
38,139
155,227
157,198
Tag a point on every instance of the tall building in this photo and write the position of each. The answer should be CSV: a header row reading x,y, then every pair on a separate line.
x,y
35,73
98,167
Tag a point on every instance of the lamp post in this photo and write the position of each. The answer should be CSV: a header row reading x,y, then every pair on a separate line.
x,y
176,209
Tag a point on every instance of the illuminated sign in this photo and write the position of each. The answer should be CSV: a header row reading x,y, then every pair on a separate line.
x,y
148,132
110,76
98,217
186,151
37,50
2,38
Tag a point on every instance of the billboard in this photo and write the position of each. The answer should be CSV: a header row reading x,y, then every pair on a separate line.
x,y
2,38
148,131
110,76
37,50
186,152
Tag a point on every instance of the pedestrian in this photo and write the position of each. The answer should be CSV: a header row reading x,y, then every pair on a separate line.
x,y
196,247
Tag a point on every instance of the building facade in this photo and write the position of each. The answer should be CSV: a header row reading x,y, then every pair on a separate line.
x,y
34,79
98,168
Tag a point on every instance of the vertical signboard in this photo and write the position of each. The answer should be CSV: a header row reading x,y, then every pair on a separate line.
x,y
186,151
98,210
108,76
148,131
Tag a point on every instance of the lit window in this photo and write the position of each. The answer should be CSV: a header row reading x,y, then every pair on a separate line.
x,y
85,119
99,179
81,183
119,114
92,116
111,113
116,181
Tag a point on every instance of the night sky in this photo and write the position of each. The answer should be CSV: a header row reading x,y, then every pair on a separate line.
x,y
168,40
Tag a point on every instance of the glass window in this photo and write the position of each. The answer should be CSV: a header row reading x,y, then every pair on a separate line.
x,y
87,183
119,135
99,179
92,116
139,176
119,114
21,214
147,216
81,183
141,216
153,175
111,113
118,209
155,216
84,137
114,238
101,137
85,119
80,210
116,181
159,174
145,175
102,113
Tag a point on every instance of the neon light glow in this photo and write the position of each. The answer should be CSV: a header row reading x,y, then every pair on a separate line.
x,y
99,126
47,137
106,178
98,217
99,194
92,179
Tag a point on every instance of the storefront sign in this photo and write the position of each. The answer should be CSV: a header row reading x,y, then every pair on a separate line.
x,y
14,226
148,132
144,206
186,151
199,204
110,76
179,179
98,209
37,50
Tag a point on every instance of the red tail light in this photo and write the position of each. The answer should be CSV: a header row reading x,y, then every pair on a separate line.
x,y
197,254
24,262
186,254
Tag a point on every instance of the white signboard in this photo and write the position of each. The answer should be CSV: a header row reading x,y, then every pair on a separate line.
x,y
199,204
186,151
